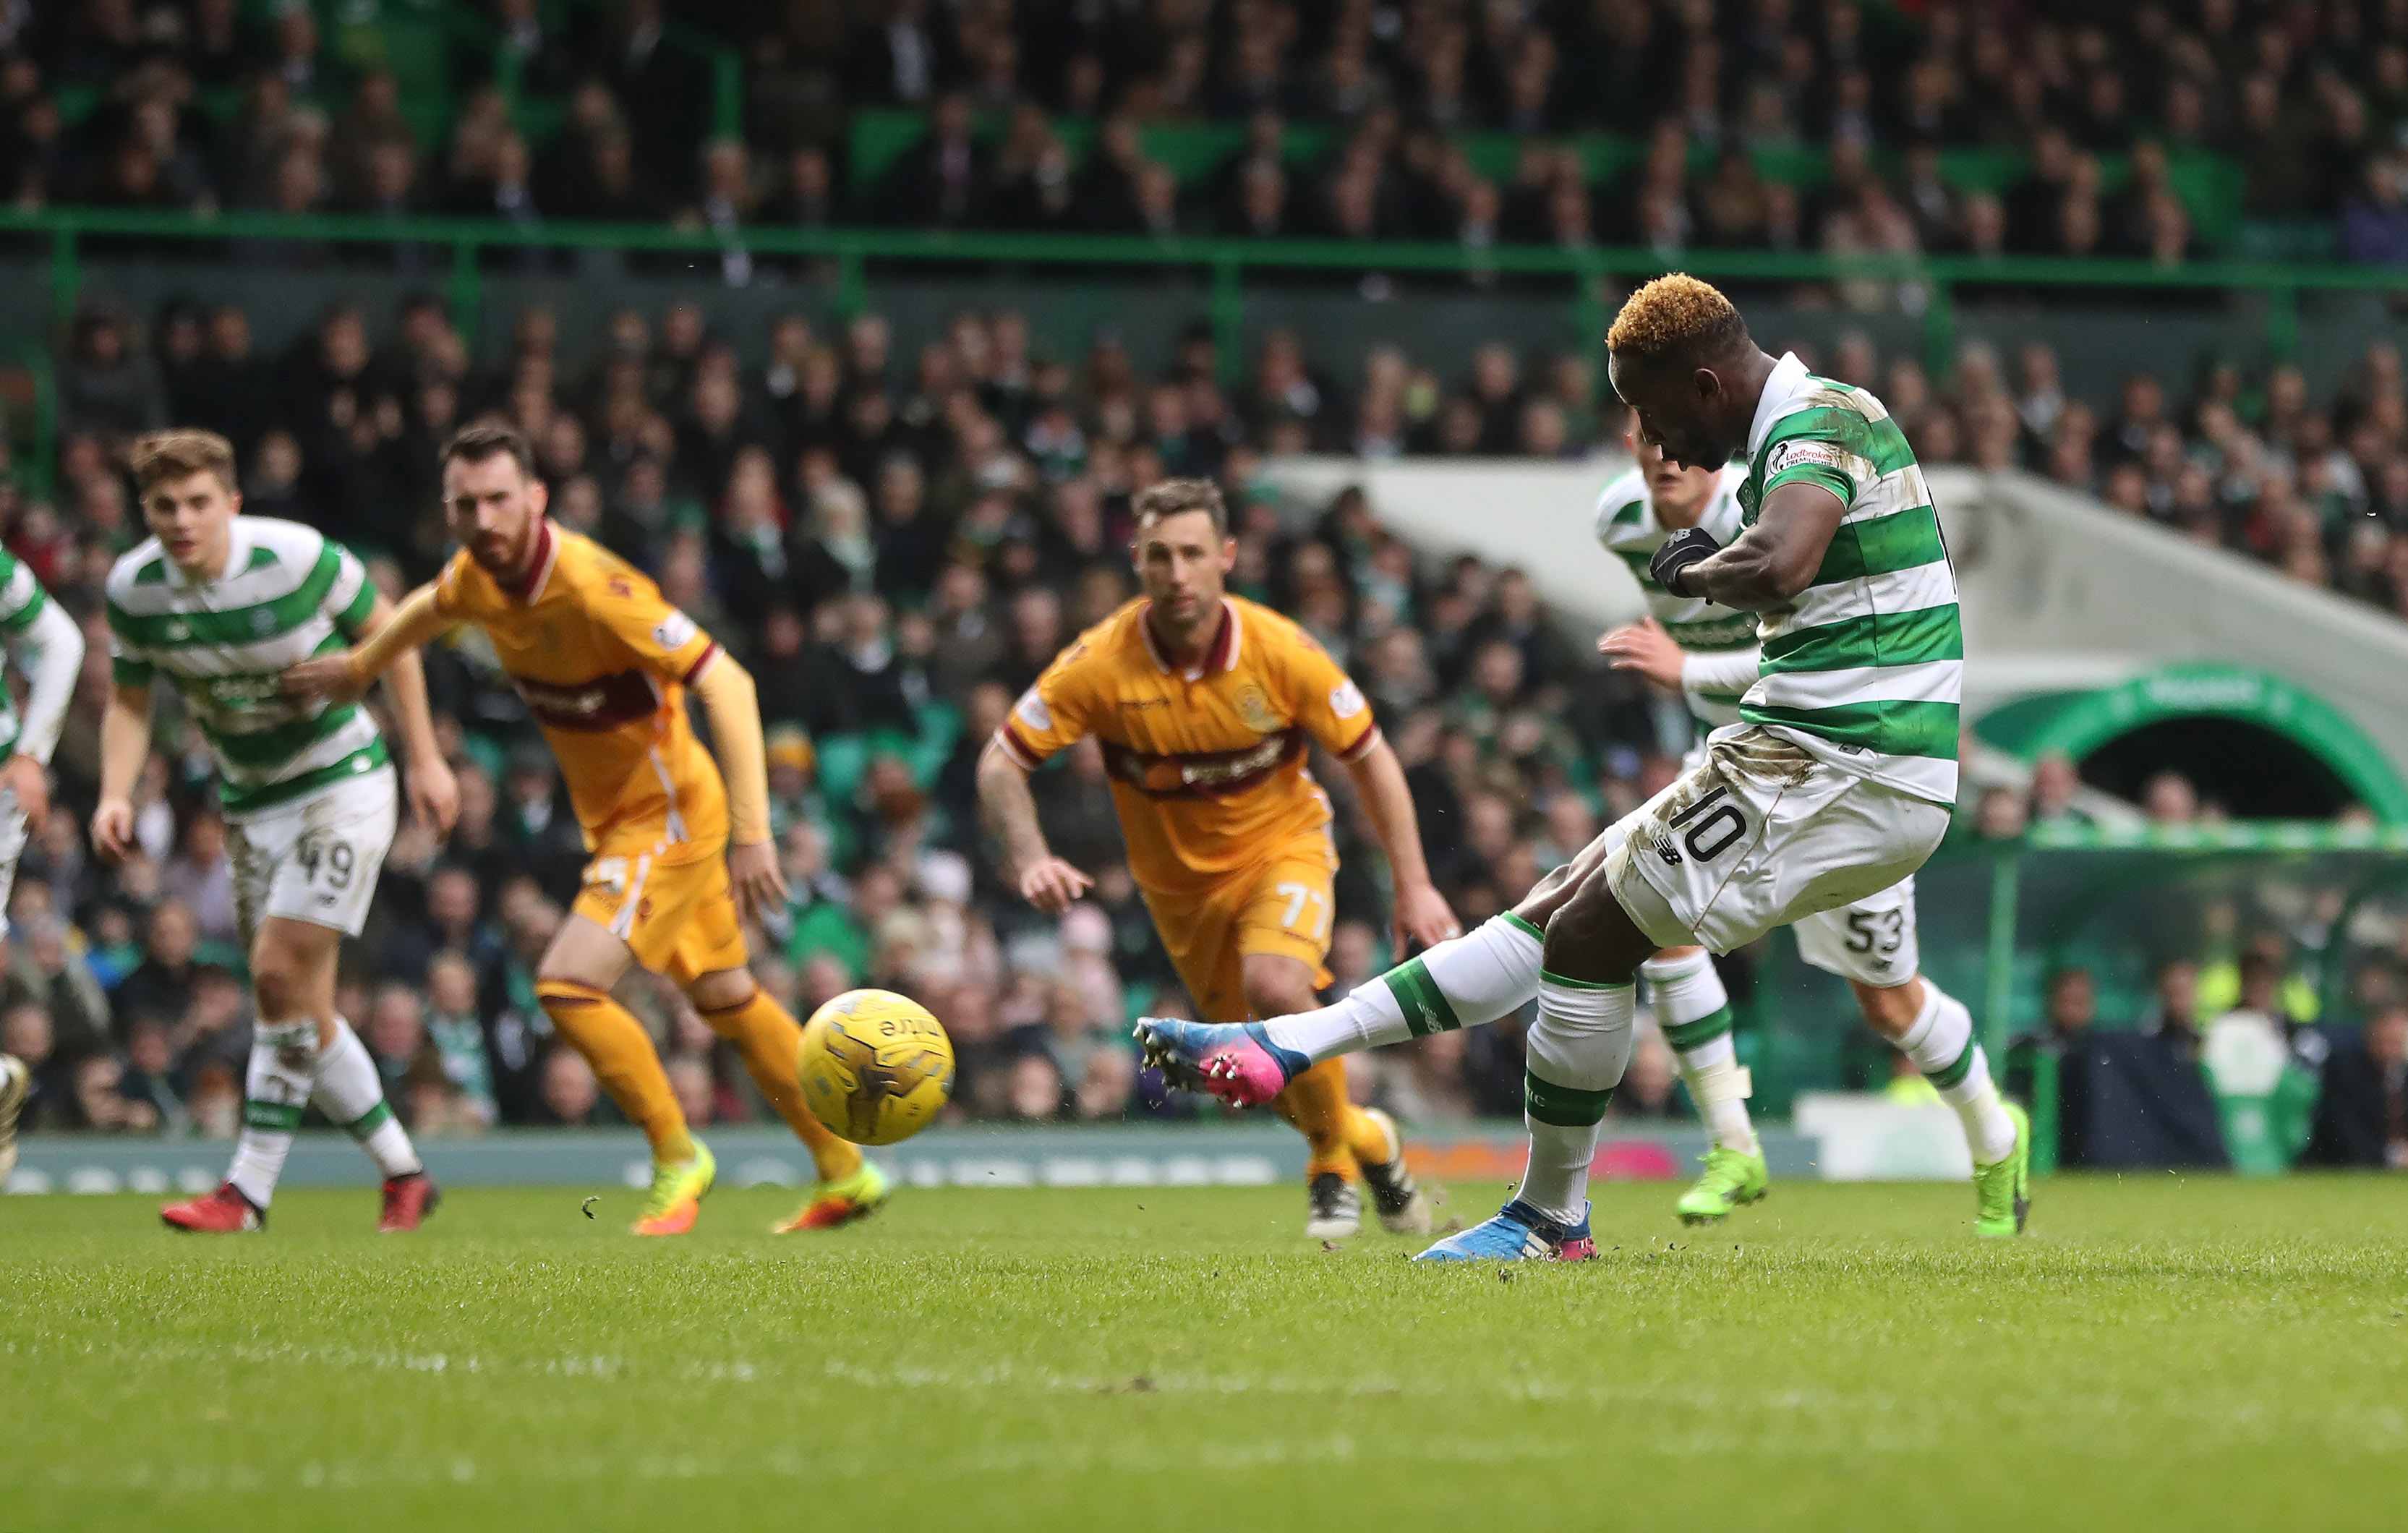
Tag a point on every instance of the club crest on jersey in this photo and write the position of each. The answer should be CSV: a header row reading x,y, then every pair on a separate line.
x,y
1255,708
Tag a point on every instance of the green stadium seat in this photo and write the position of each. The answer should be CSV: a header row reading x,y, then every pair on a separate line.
x,y
842,761
940,728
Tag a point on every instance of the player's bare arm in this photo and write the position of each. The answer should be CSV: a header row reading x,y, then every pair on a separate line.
x,y
434,792
49,653
1422,915
1010,811
391,632
29,783
1766,567
1644,647
732,703
125,746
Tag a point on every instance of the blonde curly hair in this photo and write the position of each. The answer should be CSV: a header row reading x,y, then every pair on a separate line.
x,y
1675,312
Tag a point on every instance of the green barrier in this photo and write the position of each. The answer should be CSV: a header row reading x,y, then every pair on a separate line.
x,y
1228,262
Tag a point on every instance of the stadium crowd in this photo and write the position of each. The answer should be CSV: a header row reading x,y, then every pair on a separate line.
x,y
1034,112
895,550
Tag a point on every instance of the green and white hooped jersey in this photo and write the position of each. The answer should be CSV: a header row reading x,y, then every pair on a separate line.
x,y
224,643
1865,668
1626,525
21,600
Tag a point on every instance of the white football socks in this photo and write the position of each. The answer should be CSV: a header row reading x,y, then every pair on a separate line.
x,y
1942,1045
1488,972
1577,1052
283,1061
1694,1010
351,1092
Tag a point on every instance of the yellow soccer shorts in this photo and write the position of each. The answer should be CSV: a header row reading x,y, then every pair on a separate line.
x,y
679,917
1280,905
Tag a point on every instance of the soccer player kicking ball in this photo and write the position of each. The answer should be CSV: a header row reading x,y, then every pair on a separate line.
x,y
47,648
1836,784
220,603
1708,652
1204,705
603,663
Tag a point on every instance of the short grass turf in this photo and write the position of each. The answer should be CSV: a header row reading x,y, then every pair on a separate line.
x,y
2163,1352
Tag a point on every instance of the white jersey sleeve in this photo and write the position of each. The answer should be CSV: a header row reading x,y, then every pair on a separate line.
x,y
50,651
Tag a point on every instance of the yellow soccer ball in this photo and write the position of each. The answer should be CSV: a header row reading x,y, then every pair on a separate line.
x,y
876,1067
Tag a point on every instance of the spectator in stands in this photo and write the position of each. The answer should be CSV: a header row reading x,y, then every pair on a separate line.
x,y
945,180
2169,799
2000,815
109,387
25,1032
2362,1112
2174,1017
570,1098
457,1031
161,988
2374,223
2071,1005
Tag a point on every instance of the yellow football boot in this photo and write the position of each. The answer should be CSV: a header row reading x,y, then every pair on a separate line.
x,y
834,1203
676,1195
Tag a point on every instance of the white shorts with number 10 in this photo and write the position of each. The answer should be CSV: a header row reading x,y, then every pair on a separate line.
x,y
315,858
1870,940
1759,834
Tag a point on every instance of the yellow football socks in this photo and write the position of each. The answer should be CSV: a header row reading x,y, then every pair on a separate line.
x,y
615,1044
1316,1103
772,1046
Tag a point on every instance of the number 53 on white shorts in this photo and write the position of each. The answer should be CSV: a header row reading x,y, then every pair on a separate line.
x,y
1760,835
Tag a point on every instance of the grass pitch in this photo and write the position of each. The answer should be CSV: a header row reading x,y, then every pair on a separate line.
x,y
2165,1353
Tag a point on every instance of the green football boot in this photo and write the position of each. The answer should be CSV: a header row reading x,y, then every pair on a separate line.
x,y
1730,1180
2004,1186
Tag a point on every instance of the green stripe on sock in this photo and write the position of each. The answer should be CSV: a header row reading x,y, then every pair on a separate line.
x,y
1565,1107
1423,1002
1953,1074
369,1122
1511,919
274,1116
1694,1035
1546,977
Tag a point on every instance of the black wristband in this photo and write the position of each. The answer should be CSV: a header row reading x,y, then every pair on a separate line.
x,y
1689,546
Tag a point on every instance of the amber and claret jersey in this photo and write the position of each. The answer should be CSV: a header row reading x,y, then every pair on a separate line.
x,y
603,662
1208,766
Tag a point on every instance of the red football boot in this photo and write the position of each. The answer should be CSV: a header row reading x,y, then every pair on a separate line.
x,y
406,1201
225,1211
